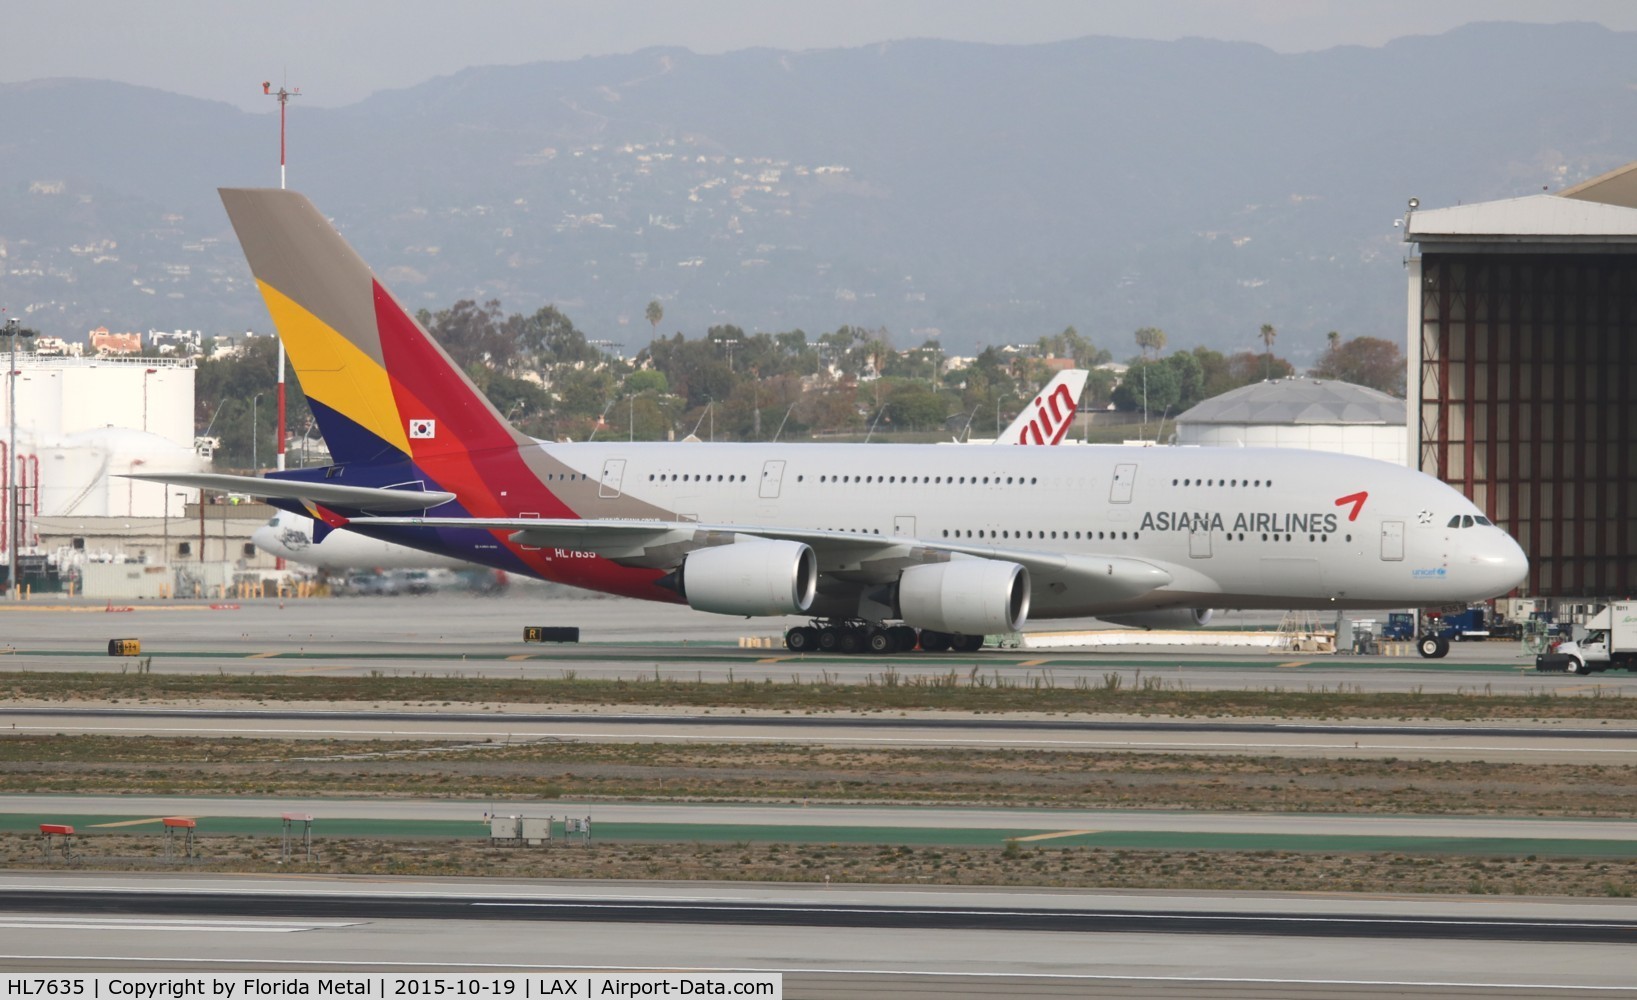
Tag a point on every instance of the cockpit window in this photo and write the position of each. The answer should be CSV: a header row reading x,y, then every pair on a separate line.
x,y
1469,520
274,522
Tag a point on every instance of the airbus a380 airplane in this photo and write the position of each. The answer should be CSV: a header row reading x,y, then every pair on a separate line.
x,y
872,542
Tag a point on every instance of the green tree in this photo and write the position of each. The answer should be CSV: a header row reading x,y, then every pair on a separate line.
x,y
1367,361
1190,375
1246,367
1151,339
646,380
655,313
1151,384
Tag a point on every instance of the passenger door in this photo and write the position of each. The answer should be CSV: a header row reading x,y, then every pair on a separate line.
x,y
1199,542
772,477
608,488
1392,541
1125,478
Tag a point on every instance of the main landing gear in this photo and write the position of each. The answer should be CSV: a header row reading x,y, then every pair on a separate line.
x,y
1432,647
865,637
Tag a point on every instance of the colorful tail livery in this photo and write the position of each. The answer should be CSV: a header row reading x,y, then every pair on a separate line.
x,y
395,410
383,392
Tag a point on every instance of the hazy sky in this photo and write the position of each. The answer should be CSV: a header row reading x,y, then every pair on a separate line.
x,y
339,51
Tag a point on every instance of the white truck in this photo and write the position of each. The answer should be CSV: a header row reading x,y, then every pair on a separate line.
x,y
1610,641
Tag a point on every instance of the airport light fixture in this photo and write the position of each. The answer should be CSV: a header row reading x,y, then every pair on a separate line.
x,y
13,331
255,401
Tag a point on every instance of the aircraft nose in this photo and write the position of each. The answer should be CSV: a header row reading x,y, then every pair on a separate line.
x,y
1502,563
264,539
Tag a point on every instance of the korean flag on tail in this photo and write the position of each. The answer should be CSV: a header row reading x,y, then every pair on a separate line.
x,y
423,429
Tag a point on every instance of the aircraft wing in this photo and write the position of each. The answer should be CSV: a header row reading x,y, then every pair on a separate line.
x,y
849,555
328,494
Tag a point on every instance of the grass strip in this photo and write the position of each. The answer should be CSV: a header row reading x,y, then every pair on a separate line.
x,y
792,773
973,691
1013,864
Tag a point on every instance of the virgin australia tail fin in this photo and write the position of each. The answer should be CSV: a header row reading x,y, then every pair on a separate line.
x,y
383,392
1048,418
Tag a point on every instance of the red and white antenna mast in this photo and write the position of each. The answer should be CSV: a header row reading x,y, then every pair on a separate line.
x,y
283,96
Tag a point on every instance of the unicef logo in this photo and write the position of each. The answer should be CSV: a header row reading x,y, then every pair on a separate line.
x,y
1428,574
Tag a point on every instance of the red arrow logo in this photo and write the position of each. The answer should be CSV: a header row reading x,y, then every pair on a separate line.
x,y
1357,500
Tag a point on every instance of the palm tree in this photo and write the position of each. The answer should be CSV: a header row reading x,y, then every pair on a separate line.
x,y
655,313
1268,336
1335,341
1151,338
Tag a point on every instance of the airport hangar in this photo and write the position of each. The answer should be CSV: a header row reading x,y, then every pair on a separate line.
x,y
1522,340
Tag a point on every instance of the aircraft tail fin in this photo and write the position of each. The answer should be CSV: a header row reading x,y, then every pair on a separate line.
x,y
1048,418
382,390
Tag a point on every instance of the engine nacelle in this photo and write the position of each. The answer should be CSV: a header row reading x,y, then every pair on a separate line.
x,y
969,596
750,578
1170,618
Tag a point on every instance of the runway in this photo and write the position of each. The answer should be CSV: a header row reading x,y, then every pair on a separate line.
x,y
838,941
463,635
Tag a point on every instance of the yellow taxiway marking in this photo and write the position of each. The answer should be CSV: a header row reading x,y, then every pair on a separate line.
x,y
132,822
1033,663
1296,663
314,670
261,656
1054,836
519,657
776,659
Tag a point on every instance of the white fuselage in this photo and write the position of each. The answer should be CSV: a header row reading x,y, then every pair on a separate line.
x,y
1235,528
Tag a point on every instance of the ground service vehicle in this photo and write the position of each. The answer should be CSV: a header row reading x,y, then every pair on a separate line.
x,y
1610,641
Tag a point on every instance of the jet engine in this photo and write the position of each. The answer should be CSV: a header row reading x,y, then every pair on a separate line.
x,y
1171,618
749,578
969,596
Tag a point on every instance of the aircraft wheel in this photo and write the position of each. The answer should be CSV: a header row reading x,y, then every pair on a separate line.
x,y
802,639
829,638
968,643
903,636
1443,648
881,640
935,642
1427,646
849,640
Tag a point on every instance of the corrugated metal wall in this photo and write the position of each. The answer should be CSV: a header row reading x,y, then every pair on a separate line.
x,y
1529,406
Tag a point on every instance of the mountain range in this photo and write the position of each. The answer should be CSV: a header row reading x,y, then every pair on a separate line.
x,y
983,194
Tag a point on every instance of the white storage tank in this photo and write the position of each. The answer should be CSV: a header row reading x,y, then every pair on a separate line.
x,y
1317,414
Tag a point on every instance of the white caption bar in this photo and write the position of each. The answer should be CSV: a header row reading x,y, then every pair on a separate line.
x,y
396,986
